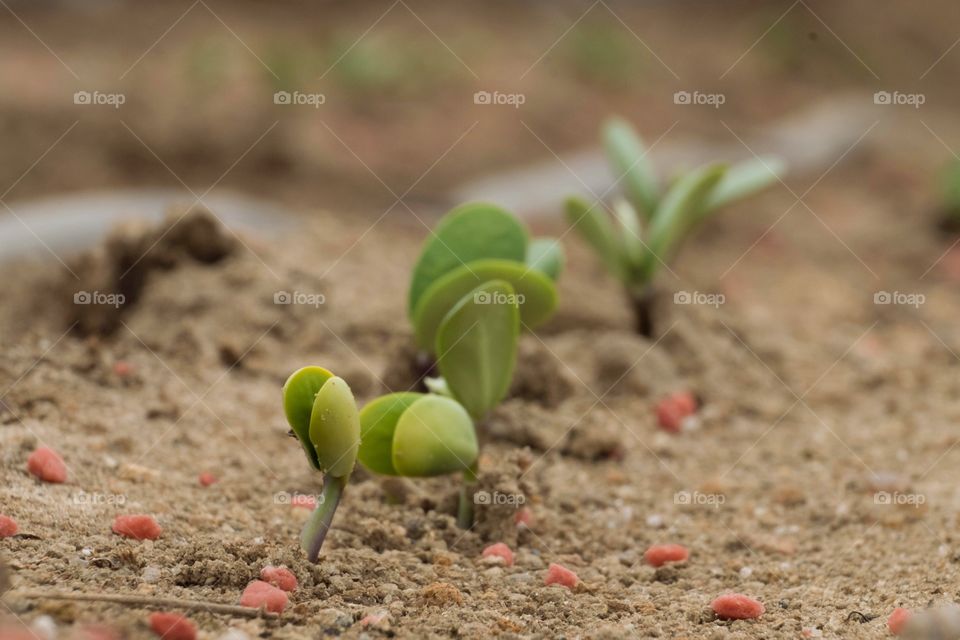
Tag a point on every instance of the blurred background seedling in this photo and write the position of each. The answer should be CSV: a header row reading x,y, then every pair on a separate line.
x,y
648,224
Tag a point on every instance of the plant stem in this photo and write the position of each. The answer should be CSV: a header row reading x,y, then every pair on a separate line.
x,y
317,527
642,301
465,508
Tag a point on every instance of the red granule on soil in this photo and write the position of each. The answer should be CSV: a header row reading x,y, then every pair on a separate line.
x,y
372,619
303,501
499,550
560,575
898,620
138,527
261,594
672,409
660,554
122,368
97,632
523,518
8,527
172,626
206,479
46,464
280,577
736,606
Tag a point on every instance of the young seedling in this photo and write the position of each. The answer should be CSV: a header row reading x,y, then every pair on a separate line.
x,y
479,280
420,435
323,415
650,224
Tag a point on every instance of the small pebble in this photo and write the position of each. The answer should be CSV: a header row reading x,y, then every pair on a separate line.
x,y
8,527
660,554
655,521
746,572
441,594
263,594
234,634
47,465
557,574
44,627
172,626
499,550
280,577
150,574
206,479
137,526
736,606
674,408
898,620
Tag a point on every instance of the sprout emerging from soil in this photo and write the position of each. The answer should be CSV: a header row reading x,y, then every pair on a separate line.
x,y
323,414
419,435
478,281
649,225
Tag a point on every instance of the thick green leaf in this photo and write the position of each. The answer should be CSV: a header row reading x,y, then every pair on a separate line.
x,y
631,233
679,211
744,179
299,392
534,289
594,225
477,346
469,232
335,428
434,436
546,255
378,421
631,165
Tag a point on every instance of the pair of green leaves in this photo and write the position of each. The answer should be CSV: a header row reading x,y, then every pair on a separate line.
x,y
649,226
417,435
478,280
323,414
407,434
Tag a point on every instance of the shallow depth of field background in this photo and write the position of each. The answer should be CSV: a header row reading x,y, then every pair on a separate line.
x,y
398,80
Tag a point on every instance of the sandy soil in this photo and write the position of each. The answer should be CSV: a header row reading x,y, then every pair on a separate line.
x,y
814,399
